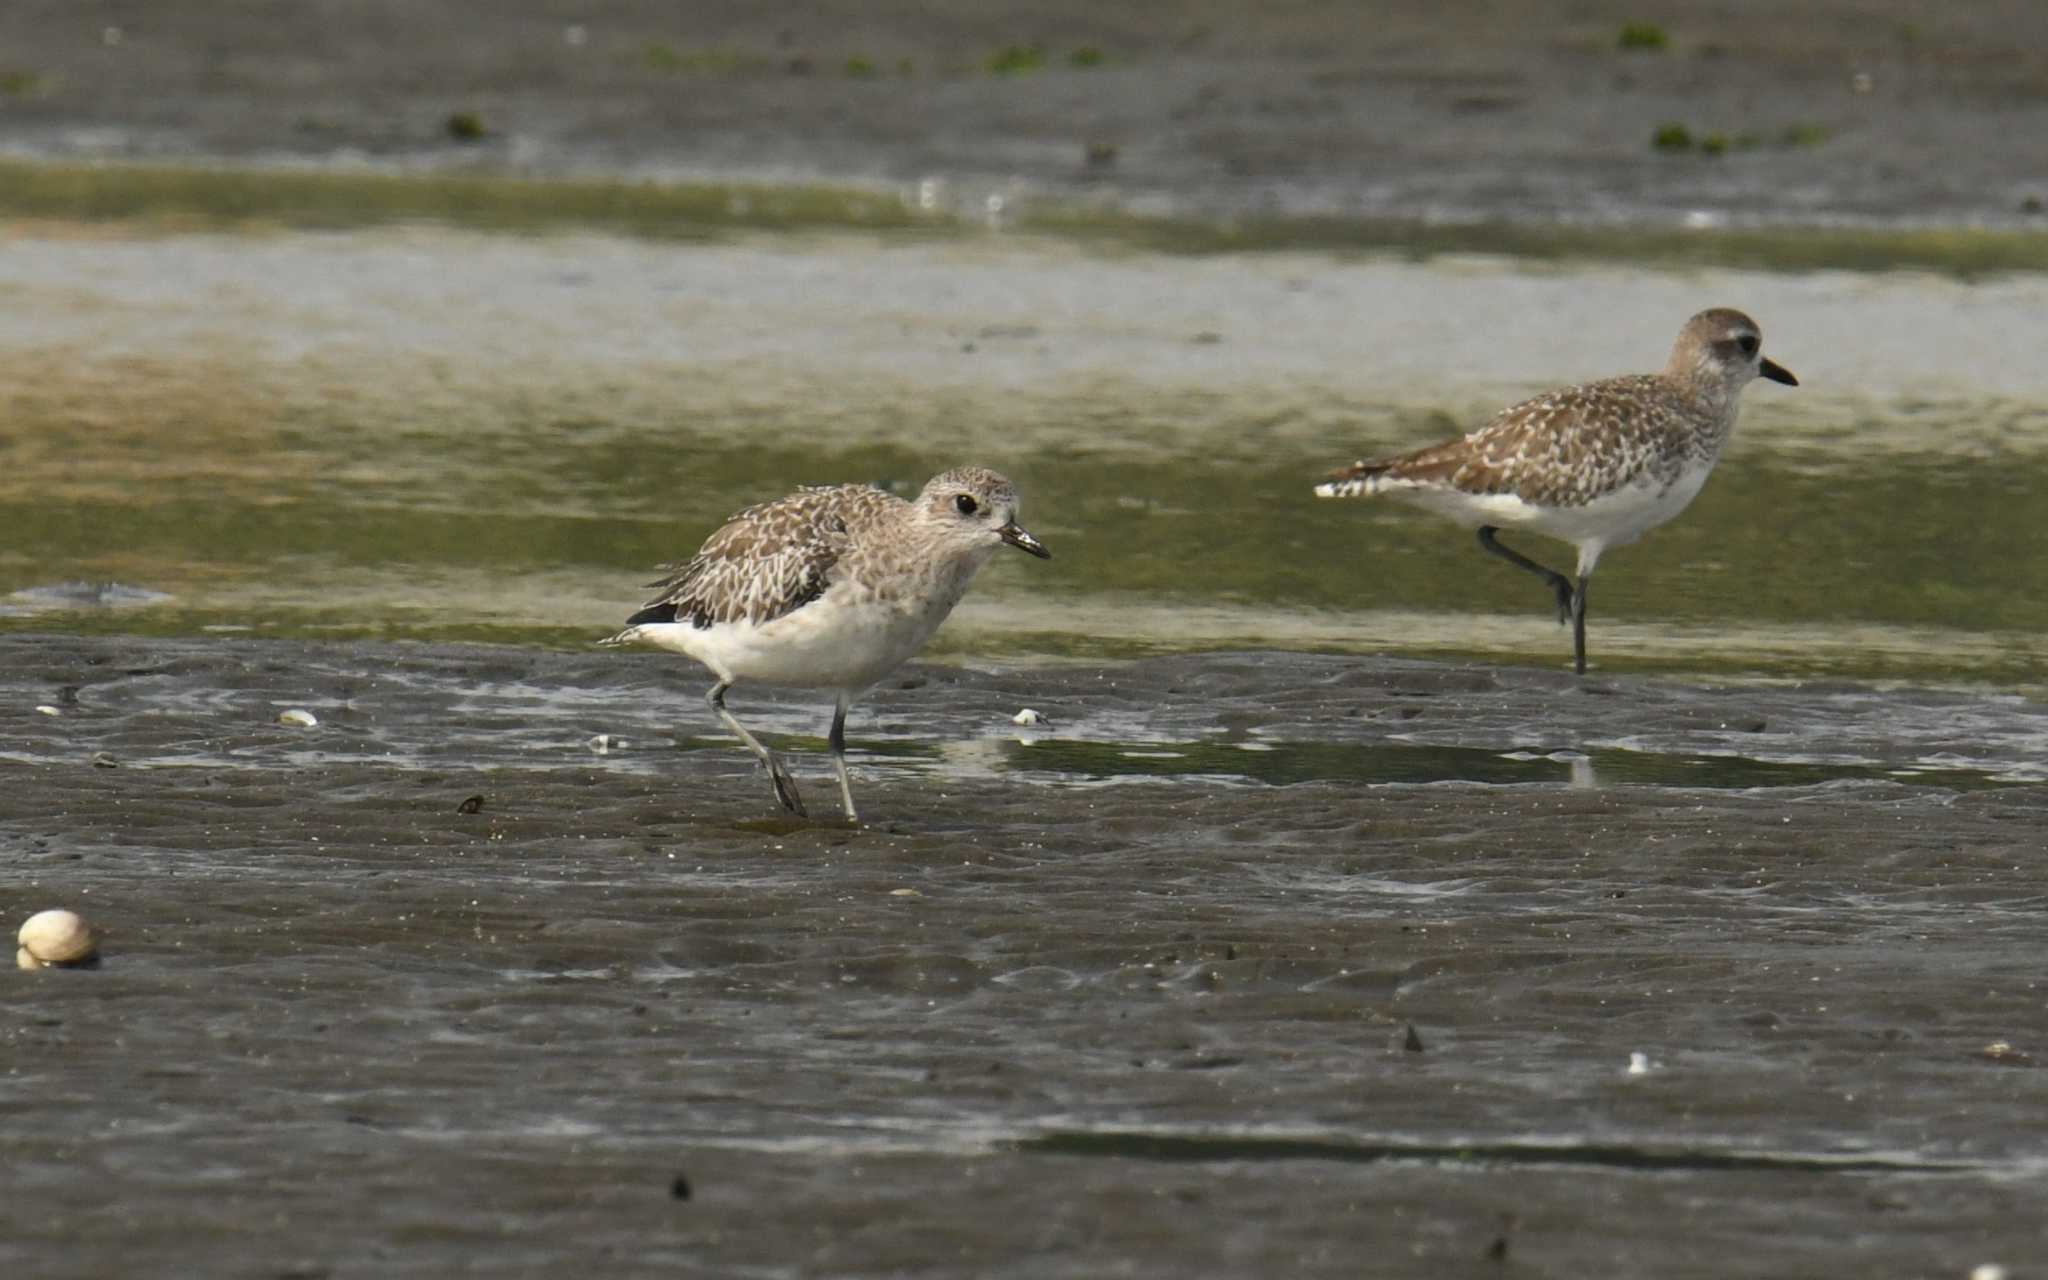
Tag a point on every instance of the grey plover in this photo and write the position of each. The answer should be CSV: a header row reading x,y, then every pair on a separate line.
x,y
831,587
1595,465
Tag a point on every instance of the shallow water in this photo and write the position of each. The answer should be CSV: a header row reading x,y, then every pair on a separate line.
x,y
434,434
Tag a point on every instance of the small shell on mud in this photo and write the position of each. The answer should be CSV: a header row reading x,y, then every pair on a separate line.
x,y
1027,716
46,709
2002,1051
297,718
55,937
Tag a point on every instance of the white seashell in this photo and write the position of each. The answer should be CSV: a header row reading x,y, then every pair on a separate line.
x,y
1027,716
47,709
55,937
298,719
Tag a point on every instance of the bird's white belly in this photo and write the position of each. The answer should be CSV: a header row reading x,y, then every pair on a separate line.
x,y
1623,515
833,643
1609,520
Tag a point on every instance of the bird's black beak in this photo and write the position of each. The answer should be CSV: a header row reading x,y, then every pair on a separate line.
x,y
1023,541
1777,372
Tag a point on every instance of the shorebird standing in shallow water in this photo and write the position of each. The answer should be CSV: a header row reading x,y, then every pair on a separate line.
x,y
1595,465
829,588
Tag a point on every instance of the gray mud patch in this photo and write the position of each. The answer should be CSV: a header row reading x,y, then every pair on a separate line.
x,y
1047,1015
1838,111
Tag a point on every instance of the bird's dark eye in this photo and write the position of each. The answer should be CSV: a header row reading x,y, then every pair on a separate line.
x,y
1748,343
966,504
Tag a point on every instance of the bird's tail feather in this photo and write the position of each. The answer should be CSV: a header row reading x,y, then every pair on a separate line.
x,y
1354,481
662,612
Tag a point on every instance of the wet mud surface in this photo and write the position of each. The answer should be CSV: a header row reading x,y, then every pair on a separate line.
x,y
1126,992
1871,111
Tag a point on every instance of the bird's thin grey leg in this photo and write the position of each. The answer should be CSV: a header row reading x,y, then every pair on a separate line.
x,y
785,785
1579,627
1559,584
838,741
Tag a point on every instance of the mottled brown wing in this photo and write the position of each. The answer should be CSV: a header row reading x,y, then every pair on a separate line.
x,y
1562,448
768,561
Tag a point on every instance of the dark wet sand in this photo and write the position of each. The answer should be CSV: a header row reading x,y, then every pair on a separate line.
x,y
1867,110
1035,1020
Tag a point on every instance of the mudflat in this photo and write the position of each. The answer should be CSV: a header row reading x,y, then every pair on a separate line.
x,y
1239,961
1841,110
1231,962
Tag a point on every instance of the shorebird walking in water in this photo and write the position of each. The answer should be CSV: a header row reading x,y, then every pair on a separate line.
x,y
829,588
1595,465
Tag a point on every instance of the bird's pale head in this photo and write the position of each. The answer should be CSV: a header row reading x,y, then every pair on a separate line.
x,y
1721,351
974,507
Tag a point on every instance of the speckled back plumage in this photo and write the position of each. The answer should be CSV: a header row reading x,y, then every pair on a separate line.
x,y
862,546
1571,447
1567,447
773,557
